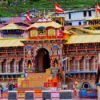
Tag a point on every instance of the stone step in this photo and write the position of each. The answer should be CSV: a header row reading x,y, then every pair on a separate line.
x,y
35,80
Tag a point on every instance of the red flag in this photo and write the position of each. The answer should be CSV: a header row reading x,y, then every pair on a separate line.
x,y
28,17
58,8
98,8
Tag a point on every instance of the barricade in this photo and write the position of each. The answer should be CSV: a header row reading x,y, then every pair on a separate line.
x,y
46,94
66,94
29,95
21,94
41,95
55,95
12,95
38,94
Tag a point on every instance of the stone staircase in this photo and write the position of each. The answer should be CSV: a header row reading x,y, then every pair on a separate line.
x,y
34,80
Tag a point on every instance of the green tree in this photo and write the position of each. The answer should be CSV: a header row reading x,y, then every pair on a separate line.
x,y
34,0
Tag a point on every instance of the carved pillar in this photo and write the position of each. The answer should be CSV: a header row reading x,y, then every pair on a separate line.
x,y
8,67
69,65
0,68
88,77
78,64
3,65
0,65
87,63
94,63
17,65
83,63
93,76
14,66
83,76
23,65
74,65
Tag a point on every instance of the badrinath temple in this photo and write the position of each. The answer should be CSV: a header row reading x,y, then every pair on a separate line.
x,y
41,53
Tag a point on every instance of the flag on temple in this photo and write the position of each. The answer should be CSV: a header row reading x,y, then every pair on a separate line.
x,y
28,19
58,8
97,8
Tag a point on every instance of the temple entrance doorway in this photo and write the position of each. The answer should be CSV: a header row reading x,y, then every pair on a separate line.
x,y
42,60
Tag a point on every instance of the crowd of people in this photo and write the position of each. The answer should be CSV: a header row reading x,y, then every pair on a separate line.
x,y
9,86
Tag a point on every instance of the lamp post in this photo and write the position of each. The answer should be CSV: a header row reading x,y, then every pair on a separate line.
x,y
64,60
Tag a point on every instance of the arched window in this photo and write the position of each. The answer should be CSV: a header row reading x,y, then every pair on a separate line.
x,y
51,32
86,85
21,65
41,30
33,33
3,66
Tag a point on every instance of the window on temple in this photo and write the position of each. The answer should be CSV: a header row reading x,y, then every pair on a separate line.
x,y
2,50
10,49
69,23
80,23
71,46
12,33
90,45
98,45
19,51
33,33
41,30
89,12
85,13
51,32
81,46
69,15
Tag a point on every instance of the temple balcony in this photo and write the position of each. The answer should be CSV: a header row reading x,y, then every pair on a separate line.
x,y
81,72
15,73
11,54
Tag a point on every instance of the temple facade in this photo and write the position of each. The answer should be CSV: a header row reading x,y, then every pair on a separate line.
x,y
44,45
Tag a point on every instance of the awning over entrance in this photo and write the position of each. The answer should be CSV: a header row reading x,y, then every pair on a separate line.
x,y
12,26
11,43
83,39
45,24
